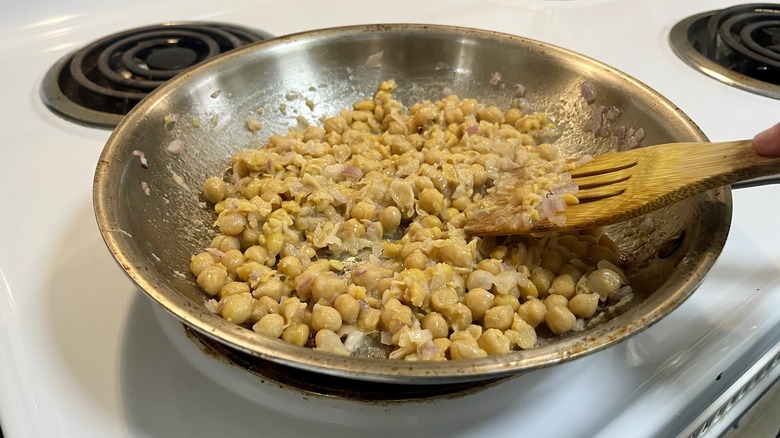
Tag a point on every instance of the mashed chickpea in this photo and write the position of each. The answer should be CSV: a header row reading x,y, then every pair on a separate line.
x,y
356,227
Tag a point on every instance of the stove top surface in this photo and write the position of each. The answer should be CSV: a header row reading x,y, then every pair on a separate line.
x,y
84,353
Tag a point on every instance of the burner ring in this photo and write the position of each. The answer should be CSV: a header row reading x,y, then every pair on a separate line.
x,y
127,48
79,64
748,37
737,33
715,43
96,88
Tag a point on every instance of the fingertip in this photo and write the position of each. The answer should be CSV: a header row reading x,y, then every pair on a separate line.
x,y
767,142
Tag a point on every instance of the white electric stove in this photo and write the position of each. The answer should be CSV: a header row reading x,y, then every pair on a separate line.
x,y
84,353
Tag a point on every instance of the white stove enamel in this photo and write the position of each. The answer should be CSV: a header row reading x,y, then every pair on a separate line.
x,y
83,353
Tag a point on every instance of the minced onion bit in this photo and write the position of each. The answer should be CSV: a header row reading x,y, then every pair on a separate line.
x,y
176,147
349,234
142,158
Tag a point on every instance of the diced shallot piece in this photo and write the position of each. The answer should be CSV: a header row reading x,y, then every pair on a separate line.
x,y
375,61
176,146
496,78
215,253
212,306
142,157
588,92
519,90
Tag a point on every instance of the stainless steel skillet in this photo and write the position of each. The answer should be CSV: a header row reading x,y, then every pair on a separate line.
x,y
306,76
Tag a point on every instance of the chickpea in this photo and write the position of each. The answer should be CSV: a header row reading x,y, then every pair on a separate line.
x,y
457,254
363,210
443,297
326,288
226,243
200,262
572,271
479,279
430,221
424,114
542,279
232,260
491,114
507,300
214,189
264,306
436,323
272,288
478,300
367,276
368,319
249,237
527,289
348,307
457,315
469,107
293,310
290,266
492,266
352,228
237,308
533,312
335,124
604,282
523,334
257,253
271,325
547,151
466,348
494,342
232,224
584,305
499,317
506,283
560,319
461,203
432,201
325,317
453,115
212,278
395,315
480,175
296,334
512,115
564,285
416,260
551,260
233,288
554,300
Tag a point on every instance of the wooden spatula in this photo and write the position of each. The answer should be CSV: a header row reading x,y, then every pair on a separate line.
x,y
618,186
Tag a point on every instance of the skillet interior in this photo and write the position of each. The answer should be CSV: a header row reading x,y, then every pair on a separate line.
x,y
152,237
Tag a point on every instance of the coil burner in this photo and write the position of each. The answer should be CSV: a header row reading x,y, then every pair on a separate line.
x,y
100,83
739,46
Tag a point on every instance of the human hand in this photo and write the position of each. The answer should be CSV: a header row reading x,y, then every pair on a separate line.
x,y
767,142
